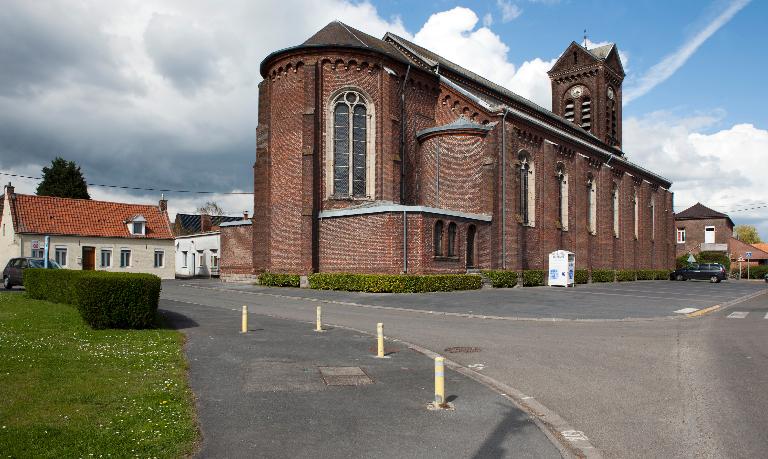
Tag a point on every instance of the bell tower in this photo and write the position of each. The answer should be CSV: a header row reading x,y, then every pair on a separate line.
x,y
586,90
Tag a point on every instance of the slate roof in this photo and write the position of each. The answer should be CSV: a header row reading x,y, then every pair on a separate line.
x,y
191,222
85,217
601,52
699,211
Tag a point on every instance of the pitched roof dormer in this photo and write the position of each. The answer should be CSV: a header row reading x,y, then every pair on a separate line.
x,y
137,225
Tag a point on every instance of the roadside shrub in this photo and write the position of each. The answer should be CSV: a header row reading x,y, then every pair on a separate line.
x,y
646,274
394,283
279,280
533,277
755,272
682,261
625,275
54,285
602,275
662,274
502,279
104,300
581,276
117,300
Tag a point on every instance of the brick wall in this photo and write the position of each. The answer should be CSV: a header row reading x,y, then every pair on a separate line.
x,y
236,251
694,233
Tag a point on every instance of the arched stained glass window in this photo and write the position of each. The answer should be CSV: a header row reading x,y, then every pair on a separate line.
x,y
438,247
350,148
452,239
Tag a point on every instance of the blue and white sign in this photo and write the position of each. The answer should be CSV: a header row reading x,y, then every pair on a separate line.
x,y
748,255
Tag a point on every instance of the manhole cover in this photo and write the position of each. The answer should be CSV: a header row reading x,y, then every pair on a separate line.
x,y
344,376
461,349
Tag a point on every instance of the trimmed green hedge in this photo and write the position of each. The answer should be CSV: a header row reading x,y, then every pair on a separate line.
x,y
104,300
755,272
279,280
602,275
501,279
663,274
394,283
625,275
581,276
534,277
646,274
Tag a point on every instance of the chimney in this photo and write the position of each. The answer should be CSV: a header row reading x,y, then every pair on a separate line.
x,y
9,190
205,223
163,203
245,215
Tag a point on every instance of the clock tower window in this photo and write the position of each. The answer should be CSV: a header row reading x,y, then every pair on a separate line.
x,y
586,114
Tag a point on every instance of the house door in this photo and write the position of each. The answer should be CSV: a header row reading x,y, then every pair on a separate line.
x,y
471,246
89,258
709,235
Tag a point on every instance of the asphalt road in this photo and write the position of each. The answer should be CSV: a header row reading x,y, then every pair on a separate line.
x,y
649,388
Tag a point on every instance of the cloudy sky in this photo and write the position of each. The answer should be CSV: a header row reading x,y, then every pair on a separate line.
x,y
163,94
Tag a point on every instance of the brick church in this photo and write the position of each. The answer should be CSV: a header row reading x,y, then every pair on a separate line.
x,y
380,156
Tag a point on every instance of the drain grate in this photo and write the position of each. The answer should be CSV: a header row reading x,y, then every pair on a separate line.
x,y
344,376
461,350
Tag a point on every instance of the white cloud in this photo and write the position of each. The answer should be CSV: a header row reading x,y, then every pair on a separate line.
x,y
488,20
724,170
509,11
671,63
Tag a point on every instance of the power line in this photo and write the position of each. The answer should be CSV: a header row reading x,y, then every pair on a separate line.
x,y
123,187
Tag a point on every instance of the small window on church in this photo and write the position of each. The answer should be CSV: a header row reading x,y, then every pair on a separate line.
x,y
586,114
452,239
569,110
438,238
591,205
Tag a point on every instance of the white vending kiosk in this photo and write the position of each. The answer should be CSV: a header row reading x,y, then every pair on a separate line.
x,y
561,266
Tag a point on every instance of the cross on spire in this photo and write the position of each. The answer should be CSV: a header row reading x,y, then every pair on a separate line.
x,y
585,38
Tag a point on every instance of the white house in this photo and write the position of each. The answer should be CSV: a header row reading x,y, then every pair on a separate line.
x,y
87,234
197,255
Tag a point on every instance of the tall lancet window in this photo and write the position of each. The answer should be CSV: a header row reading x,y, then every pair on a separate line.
x,y
350,145
591,205
615,196
527,204
562,197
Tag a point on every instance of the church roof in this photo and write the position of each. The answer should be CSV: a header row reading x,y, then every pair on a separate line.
x,y
337,33
699,211
601,52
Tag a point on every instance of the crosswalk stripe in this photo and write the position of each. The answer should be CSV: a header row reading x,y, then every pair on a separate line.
x,y
766,316
738,314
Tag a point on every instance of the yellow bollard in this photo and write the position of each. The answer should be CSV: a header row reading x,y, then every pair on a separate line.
x,y
380,340
439,382
244,328
319,326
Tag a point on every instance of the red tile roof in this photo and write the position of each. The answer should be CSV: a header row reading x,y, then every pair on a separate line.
x,y
85,217
739,249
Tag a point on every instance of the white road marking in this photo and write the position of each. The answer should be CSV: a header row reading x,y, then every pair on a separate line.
x,y
574,435
476,366
738,314
686,311
766,316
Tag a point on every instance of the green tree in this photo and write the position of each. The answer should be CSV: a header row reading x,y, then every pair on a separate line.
x,y
747,234
64,180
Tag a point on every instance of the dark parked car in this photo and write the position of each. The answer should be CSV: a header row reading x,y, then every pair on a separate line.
x,y
13,274
714,272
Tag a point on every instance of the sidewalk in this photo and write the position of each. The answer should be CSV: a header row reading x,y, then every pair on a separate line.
x,y
262,395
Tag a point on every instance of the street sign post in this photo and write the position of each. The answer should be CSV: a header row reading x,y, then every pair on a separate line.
x,y
748,256
45,252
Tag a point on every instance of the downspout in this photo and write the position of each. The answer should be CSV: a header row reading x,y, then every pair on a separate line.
x,y
504,190
402,168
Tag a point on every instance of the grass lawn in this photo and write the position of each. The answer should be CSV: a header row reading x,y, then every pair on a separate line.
x,y
69,391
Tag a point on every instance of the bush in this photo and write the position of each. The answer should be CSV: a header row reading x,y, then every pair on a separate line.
x,y
625,275
394,283
54,285
104,300
581,276
755,272
682,261
117,300
533,277
714,257
279,280
662,274
602,275
502,279
646,274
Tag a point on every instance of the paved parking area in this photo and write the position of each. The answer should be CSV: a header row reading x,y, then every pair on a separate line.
x,y
613,301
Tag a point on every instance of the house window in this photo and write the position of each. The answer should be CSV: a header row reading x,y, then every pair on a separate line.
x,y
159,259
615,196
681,235
350,145
586,114
592,205
106,258
562,198
709,234
438,238
452,239
184,259
61,256
214,261
125,258
527,190
138,227
38,253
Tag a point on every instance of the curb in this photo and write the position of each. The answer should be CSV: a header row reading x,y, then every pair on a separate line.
x,y
705,311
